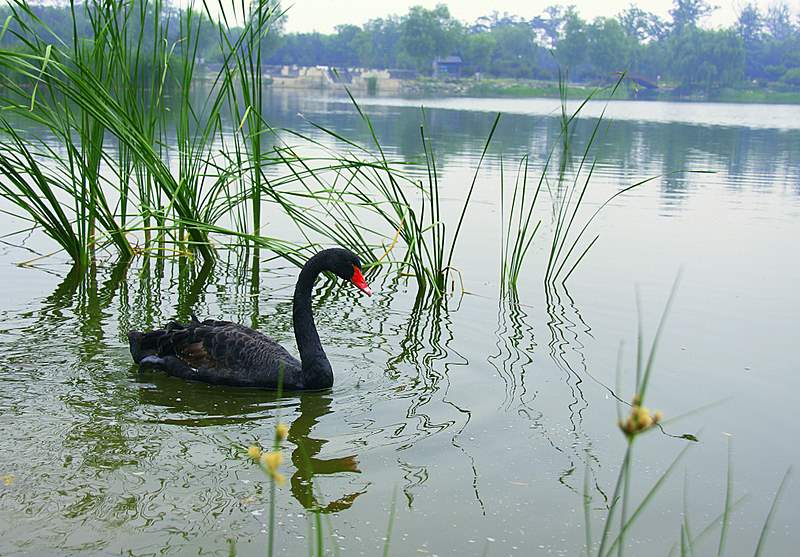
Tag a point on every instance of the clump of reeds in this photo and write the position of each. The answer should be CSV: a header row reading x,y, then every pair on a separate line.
x,y
517,228
567,176
130,83
76,97
135,81
378,185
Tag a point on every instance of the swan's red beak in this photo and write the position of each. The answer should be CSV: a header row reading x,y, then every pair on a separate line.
x,y
358,280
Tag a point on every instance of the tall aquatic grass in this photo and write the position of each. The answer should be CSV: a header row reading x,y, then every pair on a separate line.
x,y
139,66
517,227
356,190
75,99
70,171
197,160
31,188
569,189
411,206
131,83
242,77
566,175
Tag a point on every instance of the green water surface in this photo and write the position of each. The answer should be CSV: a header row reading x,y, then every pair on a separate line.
x,y
483,415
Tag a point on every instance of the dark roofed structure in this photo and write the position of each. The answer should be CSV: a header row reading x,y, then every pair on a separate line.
x,y
642,82
449,66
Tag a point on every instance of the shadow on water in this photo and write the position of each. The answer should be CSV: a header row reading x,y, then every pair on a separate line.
x,y
96,440
515,345
568,331
192,285
566,326
144,311
425,343
172,401
187,404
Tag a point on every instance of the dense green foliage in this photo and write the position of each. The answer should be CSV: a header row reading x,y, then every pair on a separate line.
x,y
677,50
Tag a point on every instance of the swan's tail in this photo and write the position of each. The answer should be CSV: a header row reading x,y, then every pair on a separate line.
x,y
152,343
135,343
173,366
160,342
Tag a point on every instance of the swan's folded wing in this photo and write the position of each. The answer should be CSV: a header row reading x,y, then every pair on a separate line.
x,y
215,324
239,349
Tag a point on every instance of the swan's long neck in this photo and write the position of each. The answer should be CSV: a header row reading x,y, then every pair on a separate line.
x,y
317,372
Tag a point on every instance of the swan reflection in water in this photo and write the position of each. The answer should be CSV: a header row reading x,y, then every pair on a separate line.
x,y
183,403
307,463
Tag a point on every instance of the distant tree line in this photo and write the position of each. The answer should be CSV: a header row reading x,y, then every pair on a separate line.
x,y
761,47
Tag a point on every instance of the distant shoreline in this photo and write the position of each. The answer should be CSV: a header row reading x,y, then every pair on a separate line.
x,y
518,88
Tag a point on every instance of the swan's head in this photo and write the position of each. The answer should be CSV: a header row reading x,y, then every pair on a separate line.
x,y
346,265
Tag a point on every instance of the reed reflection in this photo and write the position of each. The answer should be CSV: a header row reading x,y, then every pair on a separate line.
x,y
426,348
67,355
515,346
514,360
192,284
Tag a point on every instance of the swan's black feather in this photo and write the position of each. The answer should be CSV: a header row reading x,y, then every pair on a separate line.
x,y
217,352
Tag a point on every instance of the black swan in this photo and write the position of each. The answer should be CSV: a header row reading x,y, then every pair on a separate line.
x,y
225,353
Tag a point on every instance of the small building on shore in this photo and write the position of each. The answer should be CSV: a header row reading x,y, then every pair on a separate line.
x,y
449,66
642,82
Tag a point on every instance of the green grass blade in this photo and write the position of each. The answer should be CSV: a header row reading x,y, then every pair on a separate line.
x,y
728,497
647,498
390,526
762,539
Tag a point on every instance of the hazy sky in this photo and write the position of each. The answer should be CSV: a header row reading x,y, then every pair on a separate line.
x,y
324,15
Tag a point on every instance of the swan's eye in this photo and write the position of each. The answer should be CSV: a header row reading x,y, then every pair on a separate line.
x,y
358,280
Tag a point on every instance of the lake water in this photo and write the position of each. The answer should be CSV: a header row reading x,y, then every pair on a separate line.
x,y
480,420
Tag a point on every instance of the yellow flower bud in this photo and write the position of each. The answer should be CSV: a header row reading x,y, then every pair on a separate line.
x,y
271,461
279,478
629,426
281,430
639,419
254,452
